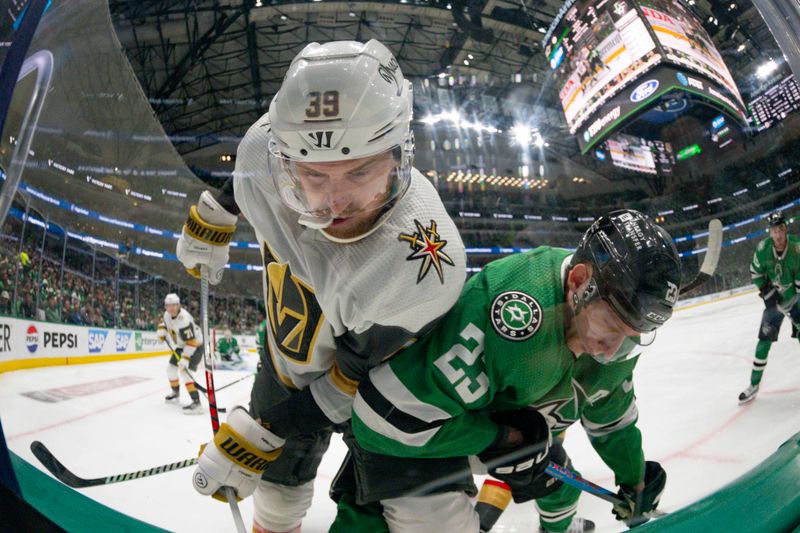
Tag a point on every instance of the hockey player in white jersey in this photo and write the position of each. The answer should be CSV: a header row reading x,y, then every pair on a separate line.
x,y
360,258
186,343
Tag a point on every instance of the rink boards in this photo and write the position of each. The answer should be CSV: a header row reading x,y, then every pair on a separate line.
x,y
32,343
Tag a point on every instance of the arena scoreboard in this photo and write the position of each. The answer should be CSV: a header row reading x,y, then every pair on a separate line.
x,y
775,103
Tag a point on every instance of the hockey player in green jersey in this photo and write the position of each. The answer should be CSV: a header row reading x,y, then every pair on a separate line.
x,y
536,342
775,271
228,347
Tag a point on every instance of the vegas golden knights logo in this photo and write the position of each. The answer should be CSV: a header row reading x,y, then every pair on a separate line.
x,y
292,310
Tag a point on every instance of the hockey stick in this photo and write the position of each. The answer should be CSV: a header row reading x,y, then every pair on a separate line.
x,y
713,248
230,495
234,382
63,474
203,390
570,477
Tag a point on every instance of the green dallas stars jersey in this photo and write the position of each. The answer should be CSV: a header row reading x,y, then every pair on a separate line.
x,y
502,346
227,347
783,272
261,334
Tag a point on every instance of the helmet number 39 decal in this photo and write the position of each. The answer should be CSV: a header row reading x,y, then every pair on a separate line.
x,y
516,316
323,104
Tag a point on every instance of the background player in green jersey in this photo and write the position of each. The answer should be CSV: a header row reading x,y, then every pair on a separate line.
x,y
228,347
775,270
535,342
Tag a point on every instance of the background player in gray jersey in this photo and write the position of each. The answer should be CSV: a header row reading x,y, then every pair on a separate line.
x,y
360,258
187,349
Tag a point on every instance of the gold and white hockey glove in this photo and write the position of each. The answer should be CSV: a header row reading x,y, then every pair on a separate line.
x,y
205,238
240,452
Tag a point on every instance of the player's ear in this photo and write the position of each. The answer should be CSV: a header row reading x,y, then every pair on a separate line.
x,y
578,276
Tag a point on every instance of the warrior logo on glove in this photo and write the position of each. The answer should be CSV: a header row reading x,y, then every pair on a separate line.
x,y
200,480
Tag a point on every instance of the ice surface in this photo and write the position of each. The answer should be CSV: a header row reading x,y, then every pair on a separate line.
x,y
687,385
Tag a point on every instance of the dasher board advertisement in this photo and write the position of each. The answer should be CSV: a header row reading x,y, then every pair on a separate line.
x,y
596,49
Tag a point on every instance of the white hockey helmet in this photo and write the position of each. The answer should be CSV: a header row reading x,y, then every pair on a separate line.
x,y
227,333
340,101
172,298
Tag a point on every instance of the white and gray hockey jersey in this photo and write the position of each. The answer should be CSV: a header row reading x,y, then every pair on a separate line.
x,y
182,329
335,310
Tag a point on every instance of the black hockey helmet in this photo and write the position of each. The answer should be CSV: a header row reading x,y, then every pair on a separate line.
x,y
636,268
776,219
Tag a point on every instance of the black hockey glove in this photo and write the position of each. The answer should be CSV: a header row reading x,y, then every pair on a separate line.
x,y
639,506
520,462
769,294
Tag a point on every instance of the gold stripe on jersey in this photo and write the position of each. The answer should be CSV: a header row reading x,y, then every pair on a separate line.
x,y
294,315
201,230
342,382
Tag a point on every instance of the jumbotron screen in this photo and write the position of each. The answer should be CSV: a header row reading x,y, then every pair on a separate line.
x,y
595,49
640,155
607,66
686,43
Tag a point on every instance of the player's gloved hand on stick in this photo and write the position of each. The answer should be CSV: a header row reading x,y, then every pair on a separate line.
x,y
242,449
162,334
206,237
520,453
177,353
769,294
639,505
183,363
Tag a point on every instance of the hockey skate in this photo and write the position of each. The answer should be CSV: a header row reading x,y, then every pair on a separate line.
x,y
172,397
748,395
194,408
578,525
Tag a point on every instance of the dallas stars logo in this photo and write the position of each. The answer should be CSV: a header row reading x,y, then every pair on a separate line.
x,y
516,316
427,246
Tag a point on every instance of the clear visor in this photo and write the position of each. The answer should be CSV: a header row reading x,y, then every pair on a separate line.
x,y
630,348
340,189
608,331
